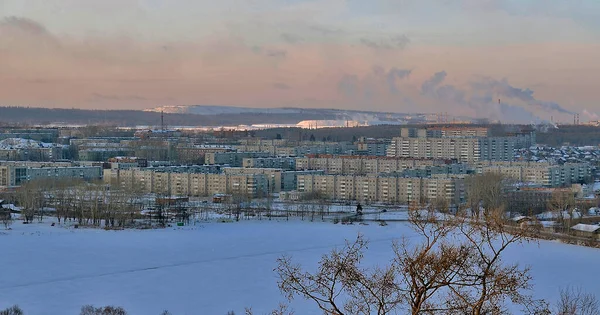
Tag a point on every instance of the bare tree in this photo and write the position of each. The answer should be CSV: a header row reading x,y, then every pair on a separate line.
x,y
283,309
486,190
561,202
324,286
6,217
30,198
457,268
440,204
576,302
237,203
486,280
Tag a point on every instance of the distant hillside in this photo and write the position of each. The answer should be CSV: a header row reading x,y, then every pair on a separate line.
x,y
32,115
362,117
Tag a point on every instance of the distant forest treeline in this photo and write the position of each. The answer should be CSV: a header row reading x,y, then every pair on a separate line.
x,y
571,135
352,133
564,135
33,115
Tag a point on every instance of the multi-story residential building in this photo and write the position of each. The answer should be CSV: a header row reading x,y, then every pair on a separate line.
x,y
289,179
497,148
279,180
439,132
384,188
457,131
466,149
326,148
18,149
462,149
103,154
187,153
427,171
372,147
194,184
12,175
299,148
284,163
466,144
265,142
524,138
38,134
356,165
543,174
273,174
234,159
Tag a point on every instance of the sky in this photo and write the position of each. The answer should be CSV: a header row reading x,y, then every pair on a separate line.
x,y
512,60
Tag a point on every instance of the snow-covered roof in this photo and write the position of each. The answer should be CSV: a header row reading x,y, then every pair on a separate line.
x,y
548,224
550,215
585,227
20,143
11,207
520,217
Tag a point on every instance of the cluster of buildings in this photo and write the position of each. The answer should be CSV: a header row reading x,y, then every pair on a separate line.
x,y
421,165
19,149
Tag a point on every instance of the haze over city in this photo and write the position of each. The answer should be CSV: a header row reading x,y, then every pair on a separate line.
x,y
500,59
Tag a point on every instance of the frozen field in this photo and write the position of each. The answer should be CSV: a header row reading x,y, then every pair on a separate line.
x,y
212,268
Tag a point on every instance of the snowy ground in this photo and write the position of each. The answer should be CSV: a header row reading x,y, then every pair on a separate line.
x,y
212,268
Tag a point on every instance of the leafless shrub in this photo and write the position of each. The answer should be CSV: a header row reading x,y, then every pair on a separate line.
x,y
6,218
576,302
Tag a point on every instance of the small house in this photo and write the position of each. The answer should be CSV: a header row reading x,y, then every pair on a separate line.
x,y
586,230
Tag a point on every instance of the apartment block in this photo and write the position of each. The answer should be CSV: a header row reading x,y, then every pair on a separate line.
x,y
278,179
386,189
284,163
372,147
234,159
465,149
12,175
439,132
543,174
194,184
357,165
273,174
497,148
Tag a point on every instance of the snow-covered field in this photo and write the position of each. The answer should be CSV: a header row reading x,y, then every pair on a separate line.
x,y
213,268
